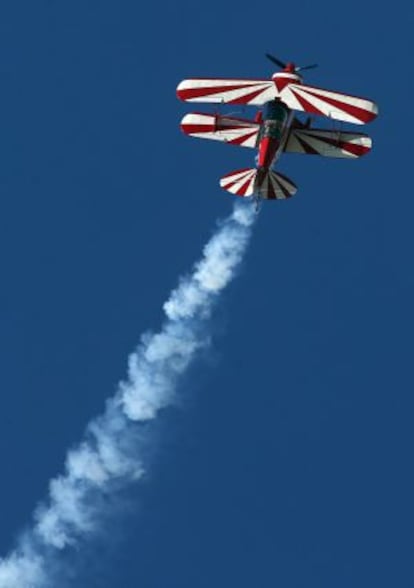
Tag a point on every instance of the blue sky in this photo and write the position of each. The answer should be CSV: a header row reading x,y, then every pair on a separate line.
x,y
289,461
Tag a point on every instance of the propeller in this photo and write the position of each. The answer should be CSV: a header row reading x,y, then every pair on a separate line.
x,y
276,61
302,67
290,66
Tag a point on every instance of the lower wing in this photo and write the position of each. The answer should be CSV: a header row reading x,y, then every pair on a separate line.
x,y
227,91
328,143
236,131
331,104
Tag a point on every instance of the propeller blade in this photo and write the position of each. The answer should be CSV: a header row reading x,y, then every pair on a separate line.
x,y
301,68
275,60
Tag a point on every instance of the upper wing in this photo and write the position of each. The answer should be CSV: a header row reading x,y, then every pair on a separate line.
x,y
236,131
310,99
232,91
331,104
327,143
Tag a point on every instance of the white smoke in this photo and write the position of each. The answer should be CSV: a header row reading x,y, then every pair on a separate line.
x,y
111,454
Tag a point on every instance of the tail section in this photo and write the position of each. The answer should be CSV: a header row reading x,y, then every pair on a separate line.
x,y
267,184
240,182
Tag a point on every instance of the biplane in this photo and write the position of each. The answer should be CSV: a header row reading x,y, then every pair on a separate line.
x,y
276,128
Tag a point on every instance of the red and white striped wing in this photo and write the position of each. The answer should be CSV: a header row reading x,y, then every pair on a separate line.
x,y
233,91
236,131
331,104
328,143
240,182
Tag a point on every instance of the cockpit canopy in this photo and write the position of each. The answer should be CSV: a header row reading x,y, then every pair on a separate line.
x,y
275,110
275,115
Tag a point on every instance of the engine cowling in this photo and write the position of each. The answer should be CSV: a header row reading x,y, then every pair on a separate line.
x,y
283,78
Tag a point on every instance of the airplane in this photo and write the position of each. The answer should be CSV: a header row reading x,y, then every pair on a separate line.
x,y
275,129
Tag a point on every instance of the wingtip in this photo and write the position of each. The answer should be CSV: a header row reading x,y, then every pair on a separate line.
x,y
372,114
178,91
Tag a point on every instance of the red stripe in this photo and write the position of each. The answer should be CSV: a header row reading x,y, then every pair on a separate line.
x,y
235,181
355,111
244,187
307,106
189,93
307,148
357,150
189,129
271,192
281,83
318,88
247,97
284,190
243,139
353,148
291,185
239,171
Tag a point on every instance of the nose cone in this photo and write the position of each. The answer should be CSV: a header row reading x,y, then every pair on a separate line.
x,y
284,78
290,67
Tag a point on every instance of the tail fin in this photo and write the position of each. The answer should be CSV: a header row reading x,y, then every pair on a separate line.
x,y
249,181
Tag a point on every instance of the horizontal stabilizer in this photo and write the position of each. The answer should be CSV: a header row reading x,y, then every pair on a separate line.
x,y
274,186
240,182
268,184
328,143
236,131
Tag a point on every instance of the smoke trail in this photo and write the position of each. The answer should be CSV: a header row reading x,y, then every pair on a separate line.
x,y
110,456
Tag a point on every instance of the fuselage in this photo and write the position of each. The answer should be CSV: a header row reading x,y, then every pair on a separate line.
x,y
277,119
